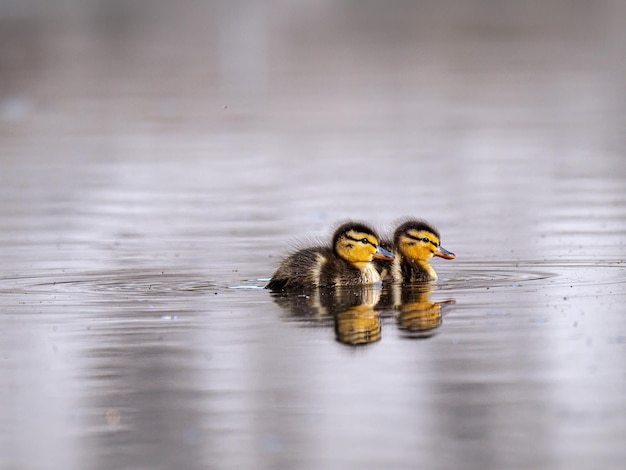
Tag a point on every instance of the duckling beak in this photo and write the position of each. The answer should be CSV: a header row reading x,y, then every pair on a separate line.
x,y
381,253
443,253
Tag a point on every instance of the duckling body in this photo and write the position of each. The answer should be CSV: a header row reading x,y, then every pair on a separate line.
x,y
347,263
414,243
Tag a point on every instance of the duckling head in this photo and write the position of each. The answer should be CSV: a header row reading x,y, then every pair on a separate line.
x,y
357,243
417,240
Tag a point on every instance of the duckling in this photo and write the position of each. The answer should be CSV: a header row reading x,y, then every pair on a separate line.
x,y
414,243
347,263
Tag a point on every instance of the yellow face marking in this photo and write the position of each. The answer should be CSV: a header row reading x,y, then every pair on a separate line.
x,y
418,244
357,247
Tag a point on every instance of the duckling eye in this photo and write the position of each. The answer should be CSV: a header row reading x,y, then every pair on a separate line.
x,y
365,241
428,240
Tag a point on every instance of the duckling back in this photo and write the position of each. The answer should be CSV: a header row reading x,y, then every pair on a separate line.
x,y
302,269
315,267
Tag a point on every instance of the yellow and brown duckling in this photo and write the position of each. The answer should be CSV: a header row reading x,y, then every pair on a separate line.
x,y
414,243
347,263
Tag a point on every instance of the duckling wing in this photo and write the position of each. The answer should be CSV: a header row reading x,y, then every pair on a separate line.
x,y
302,269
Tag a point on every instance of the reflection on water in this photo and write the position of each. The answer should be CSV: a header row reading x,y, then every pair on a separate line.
x,y
358,325
418,316
352,310
358,312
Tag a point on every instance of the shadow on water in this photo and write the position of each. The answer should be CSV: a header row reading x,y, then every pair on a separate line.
x,y
358,313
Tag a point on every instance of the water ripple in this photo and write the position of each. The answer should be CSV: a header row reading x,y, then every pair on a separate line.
x,y
124,283
479,275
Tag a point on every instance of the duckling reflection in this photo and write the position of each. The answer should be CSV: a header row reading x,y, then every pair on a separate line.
x,y
350,309
359,324
416,315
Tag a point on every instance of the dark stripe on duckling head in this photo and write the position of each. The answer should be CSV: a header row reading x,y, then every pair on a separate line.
x,y
353,227
413,225
422,239
361,240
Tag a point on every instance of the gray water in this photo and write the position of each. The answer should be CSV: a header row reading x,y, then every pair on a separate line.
x,y
156,164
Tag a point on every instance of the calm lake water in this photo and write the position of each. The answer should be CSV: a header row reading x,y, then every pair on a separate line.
x,y
157,163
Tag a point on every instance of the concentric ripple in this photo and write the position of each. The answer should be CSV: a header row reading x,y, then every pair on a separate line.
x,y
484,274
117,286
469,276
